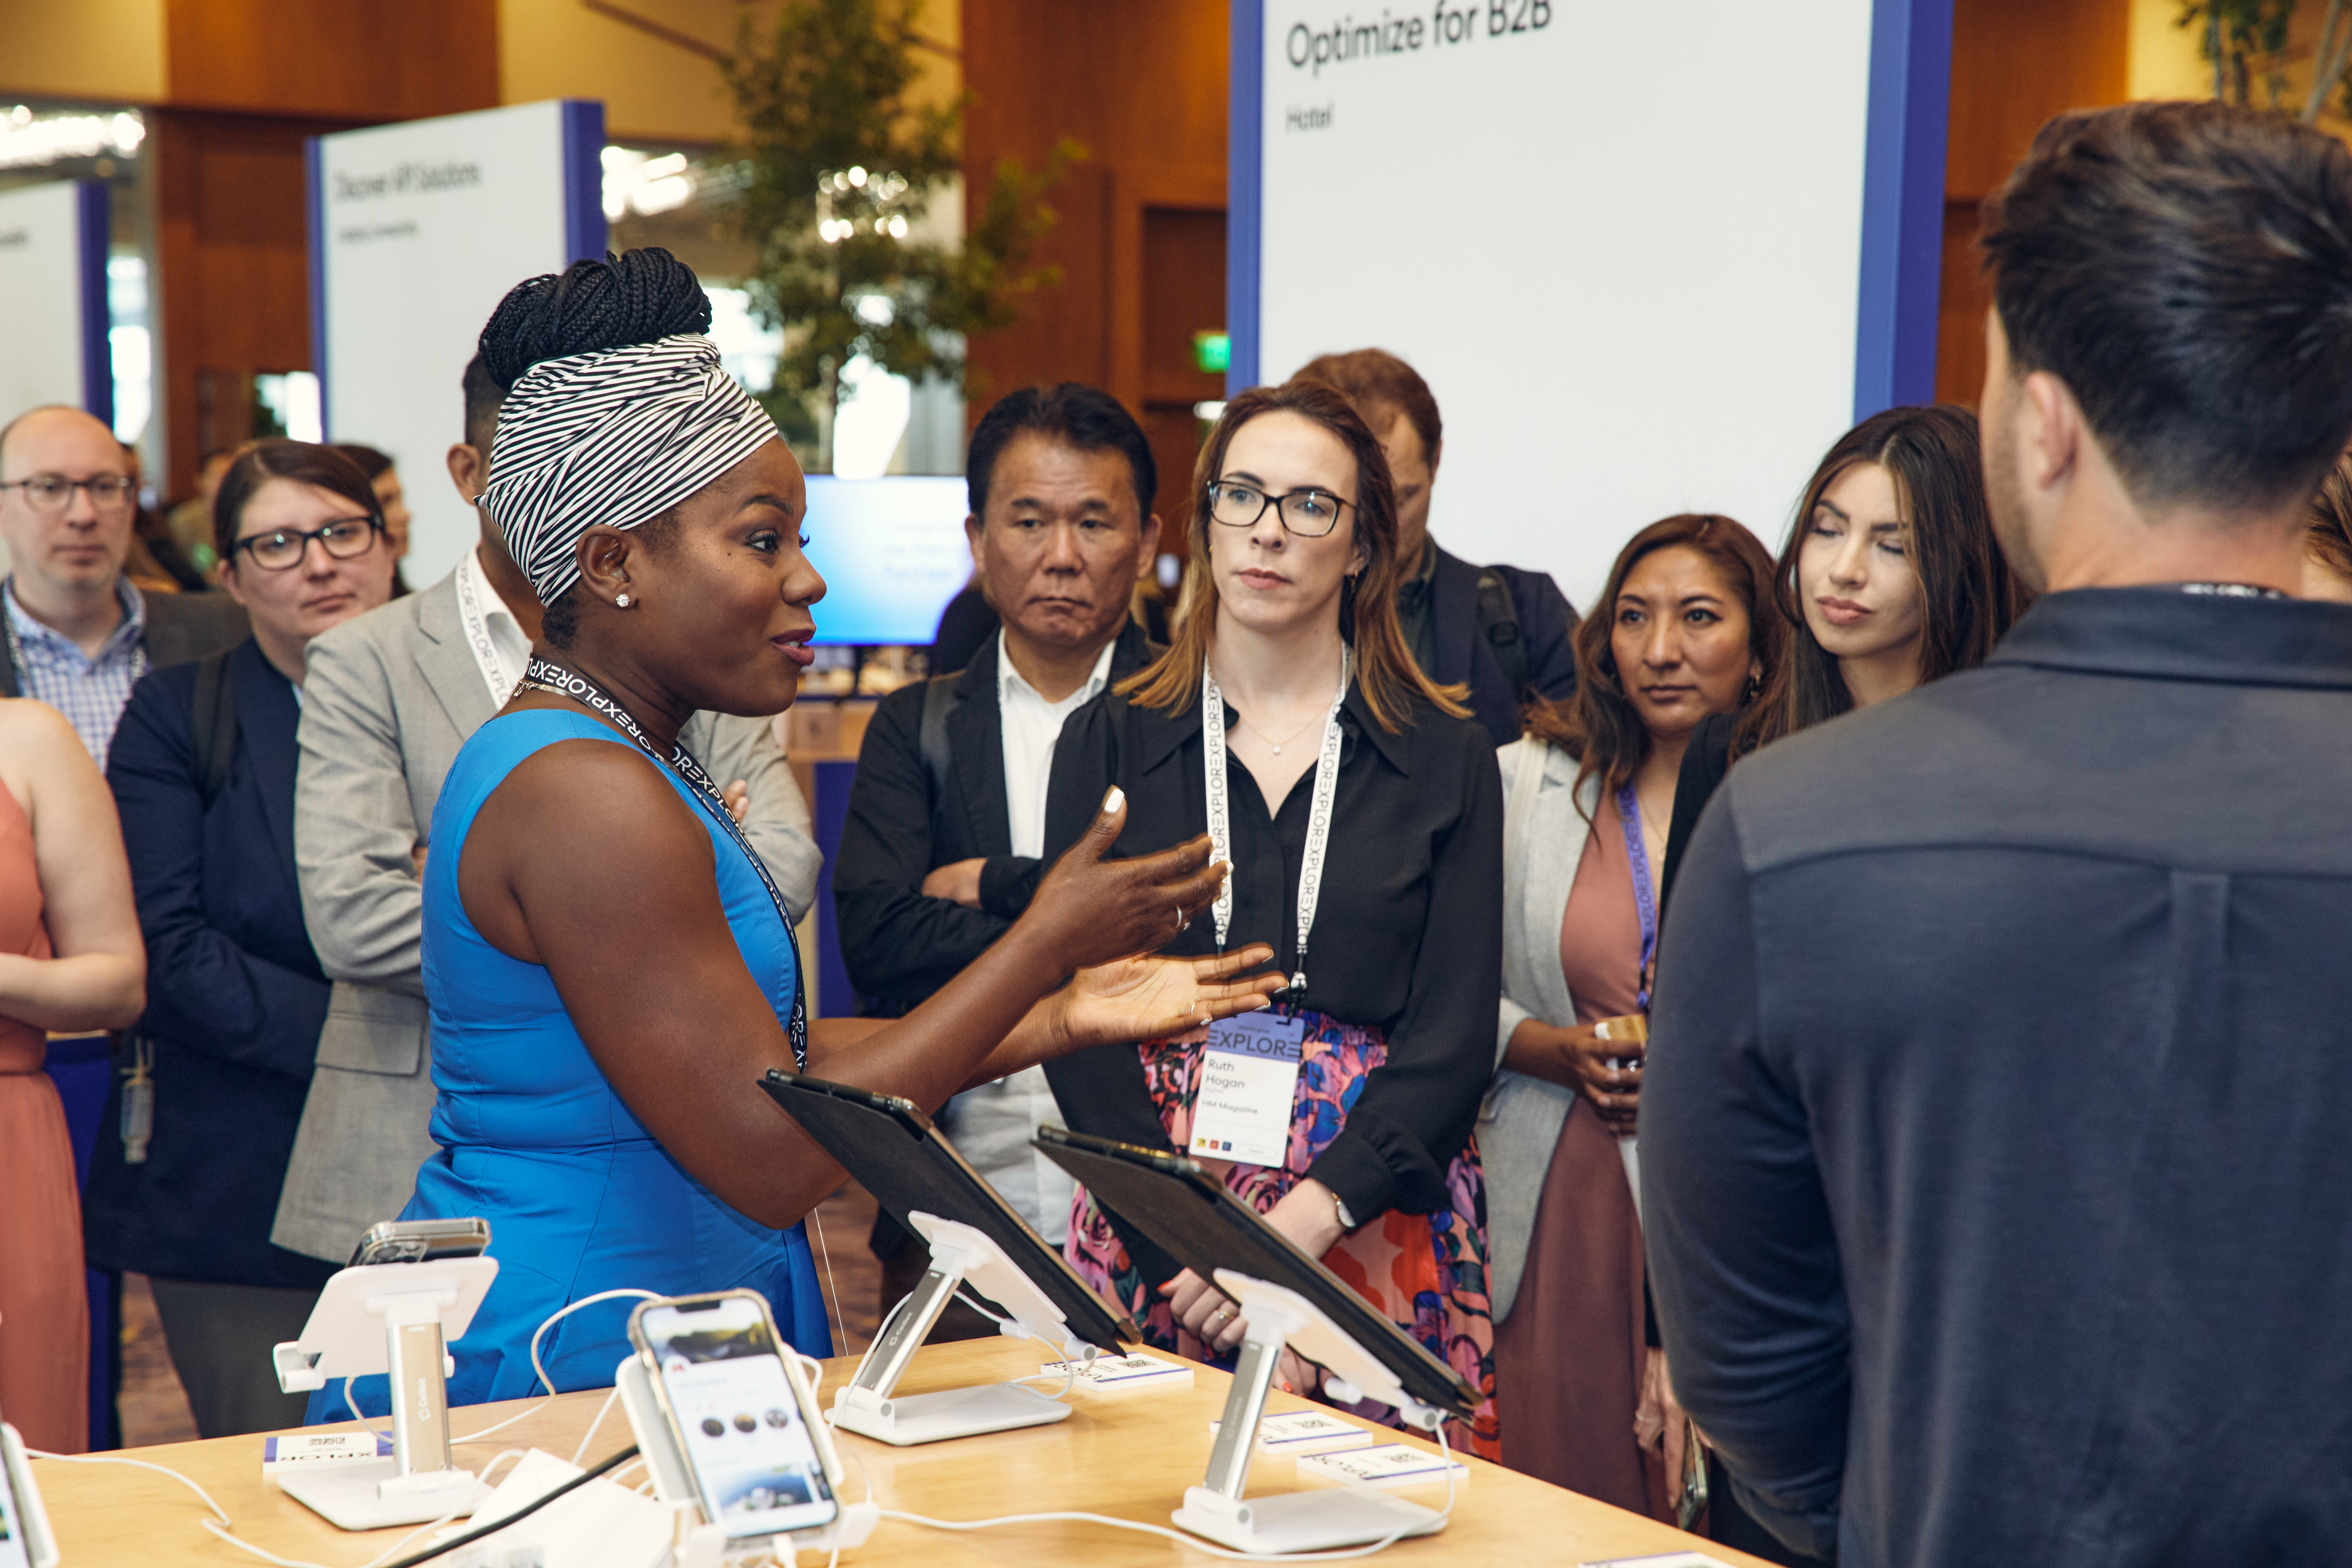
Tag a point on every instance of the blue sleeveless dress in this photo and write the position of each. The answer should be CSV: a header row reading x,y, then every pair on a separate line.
x,y
579,1197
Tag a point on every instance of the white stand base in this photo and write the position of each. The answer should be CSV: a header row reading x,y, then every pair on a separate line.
x,y
905,1420
1302,1521
373,1495
706,1545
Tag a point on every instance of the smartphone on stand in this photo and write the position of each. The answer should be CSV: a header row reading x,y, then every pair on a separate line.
x,y
18,1546
421,1241
738,1409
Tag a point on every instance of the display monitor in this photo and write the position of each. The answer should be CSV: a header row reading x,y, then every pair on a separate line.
x,y
892,551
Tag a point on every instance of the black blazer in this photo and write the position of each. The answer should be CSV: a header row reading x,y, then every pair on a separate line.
x,y
1545,621
234,995
899,945
181,627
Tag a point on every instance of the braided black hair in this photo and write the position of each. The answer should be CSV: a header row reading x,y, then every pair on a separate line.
x,y
637,297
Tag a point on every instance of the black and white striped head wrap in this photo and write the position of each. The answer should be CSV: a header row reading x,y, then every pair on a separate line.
x,y
616,437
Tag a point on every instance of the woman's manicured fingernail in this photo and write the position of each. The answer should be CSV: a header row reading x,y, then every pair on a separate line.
x,y
1113,799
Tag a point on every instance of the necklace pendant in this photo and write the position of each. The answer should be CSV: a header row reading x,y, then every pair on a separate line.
x,y
1278,750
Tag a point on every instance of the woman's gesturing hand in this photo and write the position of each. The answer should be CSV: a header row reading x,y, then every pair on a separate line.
x,y
1096,912
1150,999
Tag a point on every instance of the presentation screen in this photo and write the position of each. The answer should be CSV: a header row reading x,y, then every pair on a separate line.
x,y
1624,245
892,552
53,314
418,230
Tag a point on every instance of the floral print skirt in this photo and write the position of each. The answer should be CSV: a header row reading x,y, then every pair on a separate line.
x,y
1426,1272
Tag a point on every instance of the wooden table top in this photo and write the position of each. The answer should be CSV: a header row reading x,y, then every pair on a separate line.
x,y
1127,1455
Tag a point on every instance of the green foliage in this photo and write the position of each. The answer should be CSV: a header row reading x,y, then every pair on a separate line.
x,y
2242,41
838,171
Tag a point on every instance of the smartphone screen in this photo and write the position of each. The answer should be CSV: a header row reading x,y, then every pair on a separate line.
x,y
723,1376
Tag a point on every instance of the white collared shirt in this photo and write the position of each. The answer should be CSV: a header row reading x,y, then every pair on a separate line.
x,y
501,648
993,1123
1030,727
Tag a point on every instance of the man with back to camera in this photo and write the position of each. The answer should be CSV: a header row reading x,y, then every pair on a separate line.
x,y
947,817
1993,1140
388,700
78,635
1501,631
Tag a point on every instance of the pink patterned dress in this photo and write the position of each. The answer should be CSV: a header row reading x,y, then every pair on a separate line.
x,y
1426,1272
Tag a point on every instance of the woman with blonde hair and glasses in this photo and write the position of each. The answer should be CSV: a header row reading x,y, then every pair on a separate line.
x,y
1361,809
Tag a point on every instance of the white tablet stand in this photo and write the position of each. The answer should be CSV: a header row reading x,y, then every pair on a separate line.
x,y
1309,1520
32,1520
398,1319
701,1543
958,1253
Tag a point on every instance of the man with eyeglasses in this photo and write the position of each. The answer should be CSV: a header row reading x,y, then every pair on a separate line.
x,y
77,634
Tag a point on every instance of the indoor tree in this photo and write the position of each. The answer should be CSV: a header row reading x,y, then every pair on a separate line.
x,y
838,166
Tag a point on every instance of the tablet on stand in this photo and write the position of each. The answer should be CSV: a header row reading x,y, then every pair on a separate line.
x,y
1288,1298
975,1237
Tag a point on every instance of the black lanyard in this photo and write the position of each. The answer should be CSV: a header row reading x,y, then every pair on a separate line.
x,y
552,676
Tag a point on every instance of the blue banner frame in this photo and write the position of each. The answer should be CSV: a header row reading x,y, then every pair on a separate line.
x,y
95,232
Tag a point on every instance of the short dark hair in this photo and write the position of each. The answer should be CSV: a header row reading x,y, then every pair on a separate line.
x,y
484,398
373,463
1071,413
301,461
2329,538
2186,270
1376,379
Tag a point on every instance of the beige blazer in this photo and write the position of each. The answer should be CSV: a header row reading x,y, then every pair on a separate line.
x,y
1518,1126
388,697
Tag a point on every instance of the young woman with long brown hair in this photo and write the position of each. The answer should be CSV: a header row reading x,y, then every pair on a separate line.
x,y
1683,629
1891,578
1364,824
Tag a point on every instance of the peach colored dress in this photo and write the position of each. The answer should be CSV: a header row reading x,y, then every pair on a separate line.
x,y
44,1307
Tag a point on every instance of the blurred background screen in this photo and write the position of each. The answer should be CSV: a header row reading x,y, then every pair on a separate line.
x,y
892,551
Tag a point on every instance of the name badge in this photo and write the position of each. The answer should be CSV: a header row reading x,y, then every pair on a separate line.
x,y
1249,1076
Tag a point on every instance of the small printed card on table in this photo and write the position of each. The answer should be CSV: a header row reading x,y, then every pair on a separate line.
x,y
1389,1464
1298,1432
1123,1374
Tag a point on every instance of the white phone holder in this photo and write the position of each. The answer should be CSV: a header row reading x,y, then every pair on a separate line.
x,y
959,1252
396,1319
32,1519
700,1543
1309,1520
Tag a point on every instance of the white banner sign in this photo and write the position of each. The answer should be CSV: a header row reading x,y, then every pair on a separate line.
x,y
1621,242
417,231
53,300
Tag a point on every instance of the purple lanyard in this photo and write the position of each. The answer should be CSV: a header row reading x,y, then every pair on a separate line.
x,y
1645,902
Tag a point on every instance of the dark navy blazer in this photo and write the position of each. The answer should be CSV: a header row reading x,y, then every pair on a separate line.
x,y
234,995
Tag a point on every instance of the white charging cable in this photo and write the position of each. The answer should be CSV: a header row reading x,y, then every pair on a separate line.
x,y
220,1521
1193,1542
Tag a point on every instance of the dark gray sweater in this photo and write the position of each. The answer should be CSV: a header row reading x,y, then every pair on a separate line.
x,y
1997,1142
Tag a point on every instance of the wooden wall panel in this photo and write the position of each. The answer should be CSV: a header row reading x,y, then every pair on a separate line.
x,y
1142,83
2015,63
349,59
233,278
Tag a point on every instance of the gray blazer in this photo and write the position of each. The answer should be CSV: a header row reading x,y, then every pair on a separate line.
x,y
388,698
1543,837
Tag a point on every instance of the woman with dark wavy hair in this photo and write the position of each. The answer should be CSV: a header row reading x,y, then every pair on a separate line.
x,y
1891,578
1683,629
1359,806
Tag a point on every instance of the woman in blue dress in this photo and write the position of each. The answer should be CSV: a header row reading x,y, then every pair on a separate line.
x,y
608,968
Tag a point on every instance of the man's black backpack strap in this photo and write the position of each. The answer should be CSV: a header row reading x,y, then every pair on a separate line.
x,y
212,729
1498,623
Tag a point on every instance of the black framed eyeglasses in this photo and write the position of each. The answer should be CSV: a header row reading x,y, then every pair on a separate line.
x,y
1310,513
54,492
282,549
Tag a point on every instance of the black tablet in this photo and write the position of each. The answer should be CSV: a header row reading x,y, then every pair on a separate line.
x,y
1185,1209
898,1155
